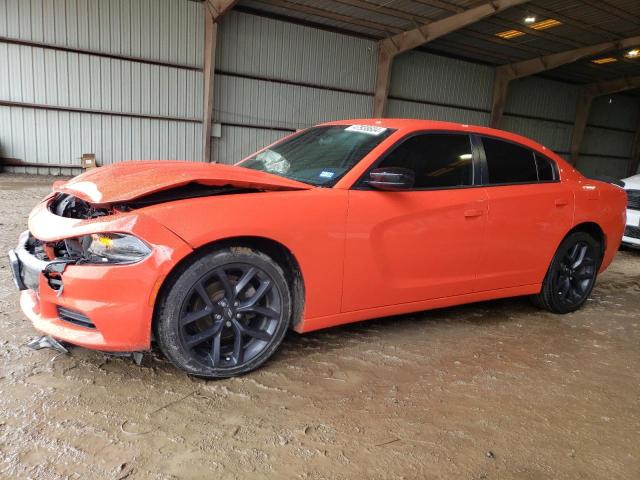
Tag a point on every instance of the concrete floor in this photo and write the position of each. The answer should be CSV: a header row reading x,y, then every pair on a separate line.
x,y
497,390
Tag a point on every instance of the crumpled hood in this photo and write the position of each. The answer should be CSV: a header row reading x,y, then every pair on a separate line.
x,y
125,181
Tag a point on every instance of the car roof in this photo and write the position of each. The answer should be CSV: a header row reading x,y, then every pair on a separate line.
x,y
408,125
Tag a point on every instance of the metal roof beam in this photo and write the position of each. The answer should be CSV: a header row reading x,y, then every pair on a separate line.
x,y
442,5
586,27
320,12
405,41
525,68
588,93
393,46
607,7
212,10
217,8
384,10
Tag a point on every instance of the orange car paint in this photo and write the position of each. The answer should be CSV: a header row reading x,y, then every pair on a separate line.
x,y
361,253
116,297
128,180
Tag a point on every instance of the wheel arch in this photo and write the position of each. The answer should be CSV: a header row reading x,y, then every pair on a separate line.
x,y
593,229
545,298
274,249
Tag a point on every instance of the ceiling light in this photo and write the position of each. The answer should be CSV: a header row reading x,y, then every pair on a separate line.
x,y
529,19
635,53
544,24
602,61
508,34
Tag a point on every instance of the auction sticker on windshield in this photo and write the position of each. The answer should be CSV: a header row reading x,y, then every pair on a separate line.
x,y
368,129
326,174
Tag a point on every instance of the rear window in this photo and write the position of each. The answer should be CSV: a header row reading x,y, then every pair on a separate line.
x,y
509,163
546,168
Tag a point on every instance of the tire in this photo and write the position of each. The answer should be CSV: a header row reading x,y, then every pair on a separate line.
x,y
571,275
224,314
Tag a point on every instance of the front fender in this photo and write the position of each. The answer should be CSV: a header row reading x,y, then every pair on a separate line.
x,y
310,224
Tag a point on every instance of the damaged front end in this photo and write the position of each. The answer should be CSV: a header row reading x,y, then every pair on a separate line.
x,y
89,272
70,206
31,258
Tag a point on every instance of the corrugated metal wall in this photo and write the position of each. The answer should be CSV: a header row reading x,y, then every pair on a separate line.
x,y
118,78
440,88
612,145
608,141
431,86
123,79
274,77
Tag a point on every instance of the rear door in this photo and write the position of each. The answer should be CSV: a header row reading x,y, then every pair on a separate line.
x,y
420,243
530,211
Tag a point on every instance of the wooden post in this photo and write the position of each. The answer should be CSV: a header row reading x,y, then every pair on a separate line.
x,y
580,125
500,91
213,11
210,34
391,47
383,79
589,92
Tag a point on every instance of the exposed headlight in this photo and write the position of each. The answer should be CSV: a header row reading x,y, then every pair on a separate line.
x,y
116,248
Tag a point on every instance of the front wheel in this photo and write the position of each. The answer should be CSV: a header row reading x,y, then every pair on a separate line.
x,y
572,274
225,313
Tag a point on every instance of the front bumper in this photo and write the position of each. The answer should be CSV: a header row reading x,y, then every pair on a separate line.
x,y
26,269
632,230
117,300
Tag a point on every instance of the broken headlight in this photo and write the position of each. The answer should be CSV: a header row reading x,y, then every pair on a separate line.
x,y
113,248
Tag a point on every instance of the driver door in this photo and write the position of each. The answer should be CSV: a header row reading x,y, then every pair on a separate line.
x,y
420,243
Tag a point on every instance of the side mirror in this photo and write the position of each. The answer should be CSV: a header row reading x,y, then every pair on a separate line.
x,y
391,178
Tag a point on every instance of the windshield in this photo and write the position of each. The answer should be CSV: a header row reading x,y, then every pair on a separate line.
x,y
319,155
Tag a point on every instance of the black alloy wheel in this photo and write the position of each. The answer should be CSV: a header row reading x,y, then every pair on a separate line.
x,y
572,274
225,314
576,274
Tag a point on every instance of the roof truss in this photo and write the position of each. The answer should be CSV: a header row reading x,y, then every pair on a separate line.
x,y
506,73
391,47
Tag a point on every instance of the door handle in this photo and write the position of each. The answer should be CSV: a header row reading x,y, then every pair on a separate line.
x,y
561,202
473,212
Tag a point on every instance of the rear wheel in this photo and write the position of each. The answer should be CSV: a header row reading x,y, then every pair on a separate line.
x,y
225,313
572,274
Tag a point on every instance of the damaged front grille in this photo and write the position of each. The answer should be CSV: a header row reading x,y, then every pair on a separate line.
x,y
48,259
38,249
63,250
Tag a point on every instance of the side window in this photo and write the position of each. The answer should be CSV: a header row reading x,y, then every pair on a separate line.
x,y
546,168
509,163
439,160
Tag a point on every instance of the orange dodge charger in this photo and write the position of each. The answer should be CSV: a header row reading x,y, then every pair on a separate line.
x,y
338,223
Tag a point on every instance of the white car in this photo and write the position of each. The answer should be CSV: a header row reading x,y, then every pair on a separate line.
x,y
632,231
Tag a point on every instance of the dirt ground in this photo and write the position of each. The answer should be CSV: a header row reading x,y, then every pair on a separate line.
x,y
497,390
